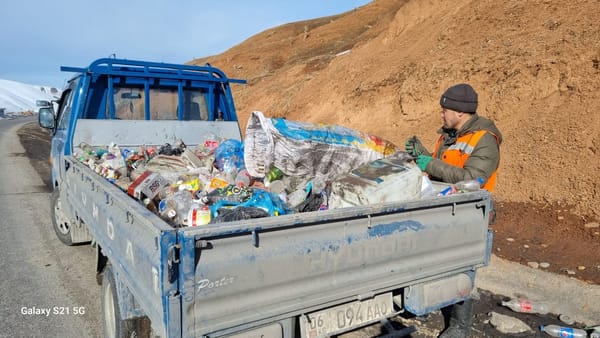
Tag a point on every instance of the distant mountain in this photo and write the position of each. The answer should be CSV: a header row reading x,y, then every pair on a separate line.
x,y
16,97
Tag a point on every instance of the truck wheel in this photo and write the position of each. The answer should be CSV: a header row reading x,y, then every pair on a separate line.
x,y
114,325
59,222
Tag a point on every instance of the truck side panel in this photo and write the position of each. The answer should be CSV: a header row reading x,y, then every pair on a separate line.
x,y
253,272
138,244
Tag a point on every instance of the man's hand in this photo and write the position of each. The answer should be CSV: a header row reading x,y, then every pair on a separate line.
x,y
423,161
414,147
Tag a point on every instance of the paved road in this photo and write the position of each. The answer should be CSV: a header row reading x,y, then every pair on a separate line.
x,y
38,273
46,288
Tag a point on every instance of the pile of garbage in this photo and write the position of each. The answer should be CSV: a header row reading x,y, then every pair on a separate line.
x,y
269,174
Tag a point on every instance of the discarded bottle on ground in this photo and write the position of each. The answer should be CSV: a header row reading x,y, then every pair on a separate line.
x,y
526,306
561,331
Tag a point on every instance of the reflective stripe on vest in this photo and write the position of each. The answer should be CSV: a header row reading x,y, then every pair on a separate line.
x,y
458,153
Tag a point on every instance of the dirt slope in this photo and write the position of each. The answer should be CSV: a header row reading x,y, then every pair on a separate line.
x,y
381,68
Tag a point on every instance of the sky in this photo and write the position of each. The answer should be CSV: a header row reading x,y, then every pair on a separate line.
x,y
37,37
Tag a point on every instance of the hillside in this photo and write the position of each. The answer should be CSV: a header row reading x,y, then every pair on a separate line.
x,y
17,97
381,69
537,77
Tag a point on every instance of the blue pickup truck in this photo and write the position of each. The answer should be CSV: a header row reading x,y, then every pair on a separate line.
x,y
312,274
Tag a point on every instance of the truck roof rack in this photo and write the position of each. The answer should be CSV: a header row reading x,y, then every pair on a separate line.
x,y
124,67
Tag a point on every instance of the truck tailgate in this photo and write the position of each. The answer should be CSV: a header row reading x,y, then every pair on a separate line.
x,y
256,271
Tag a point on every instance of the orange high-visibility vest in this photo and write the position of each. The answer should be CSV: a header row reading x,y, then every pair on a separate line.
x,y
458,153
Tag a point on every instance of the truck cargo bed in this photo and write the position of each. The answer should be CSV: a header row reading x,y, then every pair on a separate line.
x,y
241,273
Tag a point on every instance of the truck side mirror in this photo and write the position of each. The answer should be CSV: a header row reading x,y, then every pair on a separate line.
x,y
46,118
42,103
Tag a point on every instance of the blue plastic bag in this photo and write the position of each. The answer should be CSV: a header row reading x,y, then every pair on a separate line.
x,y
229,156
262,199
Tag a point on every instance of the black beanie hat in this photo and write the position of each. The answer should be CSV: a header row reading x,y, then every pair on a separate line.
x,y
461,97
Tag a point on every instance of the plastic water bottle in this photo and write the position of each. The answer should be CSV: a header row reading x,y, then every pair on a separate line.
x,y
469,185
296,197
561,331
526,306
276,187
463,186
243,178
167,209
175,208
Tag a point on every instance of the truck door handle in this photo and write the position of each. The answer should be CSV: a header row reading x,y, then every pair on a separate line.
x,y
173,263
129,217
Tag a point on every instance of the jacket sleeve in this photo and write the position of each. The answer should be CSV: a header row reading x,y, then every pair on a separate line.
x,y
484,160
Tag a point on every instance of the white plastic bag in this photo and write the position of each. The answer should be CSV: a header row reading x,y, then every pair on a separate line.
x,y
392,179
308,150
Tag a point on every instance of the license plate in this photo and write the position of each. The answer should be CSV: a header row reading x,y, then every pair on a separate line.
x,y
347,316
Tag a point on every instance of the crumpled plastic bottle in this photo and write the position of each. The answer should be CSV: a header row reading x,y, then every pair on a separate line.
x,y
243,178
296,197
174,208
526,306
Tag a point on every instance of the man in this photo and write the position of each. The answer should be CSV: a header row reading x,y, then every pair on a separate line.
x,y
469,144
468,148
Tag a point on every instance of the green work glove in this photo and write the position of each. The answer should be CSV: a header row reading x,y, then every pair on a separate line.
x,y
414,147
423,161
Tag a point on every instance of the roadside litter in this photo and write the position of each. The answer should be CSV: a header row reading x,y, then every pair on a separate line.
x,y
523,305
281,167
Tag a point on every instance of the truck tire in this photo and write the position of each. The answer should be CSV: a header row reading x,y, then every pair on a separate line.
x,y
114,325
61,226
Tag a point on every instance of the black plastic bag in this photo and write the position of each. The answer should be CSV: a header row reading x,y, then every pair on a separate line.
x,y
239,213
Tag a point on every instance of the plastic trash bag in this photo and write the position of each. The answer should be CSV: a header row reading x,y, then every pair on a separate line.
x,y
229,155
308,150
259,198
239,213
392,179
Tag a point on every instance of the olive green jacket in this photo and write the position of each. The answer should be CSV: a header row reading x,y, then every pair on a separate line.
x,y
482,162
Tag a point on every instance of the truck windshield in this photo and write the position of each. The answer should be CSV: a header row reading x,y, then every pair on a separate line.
x,y
130,103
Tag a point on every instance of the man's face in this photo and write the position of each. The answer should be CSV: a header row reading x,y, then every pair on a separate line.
x,y
450,118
